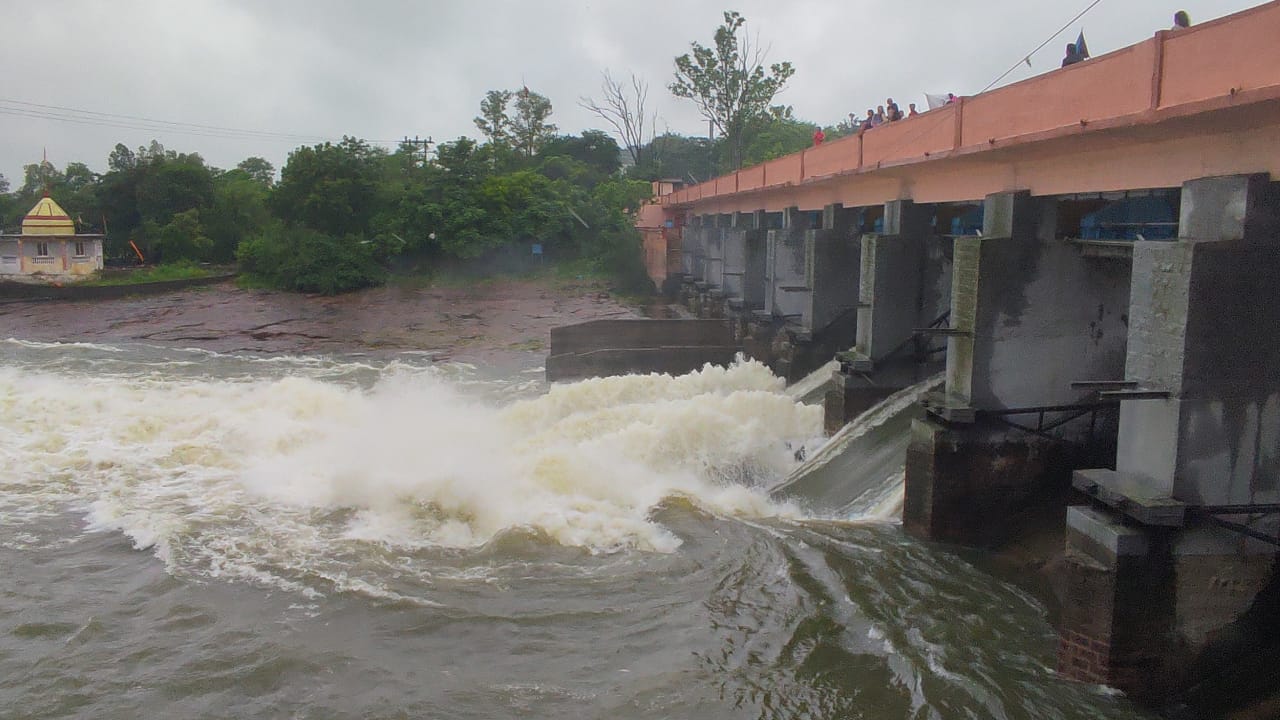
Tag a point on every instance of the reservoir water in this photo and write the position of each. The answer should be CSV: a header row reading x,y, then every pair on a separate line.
x,y
193,534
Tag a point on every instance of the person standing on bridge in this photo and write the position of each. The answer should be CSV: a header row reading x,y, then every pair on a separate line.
x,y
818,135
1072,57
1181,20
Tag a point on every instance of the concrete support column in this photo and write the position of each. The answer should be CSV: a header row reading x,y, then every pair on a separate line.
x,y
889,276
890,286
1202,326
734,257
713,262
979,293
1118,612
1029,315
831,271
1143,622
755,250
689,245
785,268
710,302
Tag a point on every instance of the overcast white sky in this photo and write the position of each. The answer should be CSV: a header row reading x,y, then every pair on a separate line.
x,y
382,69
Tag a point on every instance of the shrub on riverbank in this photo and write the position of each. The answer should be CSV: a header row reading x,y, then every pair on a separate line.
x,y
305,260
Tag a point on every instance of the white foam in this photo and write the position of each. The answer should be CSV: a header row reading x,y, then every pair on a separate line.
x,y
264,478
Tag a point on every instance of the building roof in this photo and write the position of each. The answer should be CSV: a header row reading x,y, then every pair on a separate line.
x,y
47,218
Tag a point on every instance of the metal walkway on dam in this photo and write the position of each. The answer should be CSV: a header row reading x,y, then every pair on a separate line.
x,y
1091,253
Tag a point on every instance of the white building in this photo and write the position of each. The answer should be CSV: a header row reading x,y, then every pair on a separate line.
x,y
49,245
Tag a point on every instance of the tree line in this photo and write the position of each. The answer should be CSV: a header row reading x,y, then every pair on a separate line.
x,y
342,215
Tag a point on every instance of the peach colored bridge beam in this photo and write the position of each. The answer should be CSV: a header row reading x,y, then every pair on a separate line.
x,y
1182,105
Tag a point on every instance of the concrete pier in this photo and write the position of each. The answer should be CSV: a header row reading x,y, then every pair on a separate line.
x,y
1199,433
904,285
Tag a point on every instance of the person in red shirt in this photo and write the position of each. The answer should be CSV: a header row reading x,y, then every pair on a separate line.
x,y
818,136
911,110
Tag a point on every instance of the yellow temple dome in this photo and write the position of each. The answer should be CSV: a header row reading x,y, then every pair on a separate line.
x,y
47,218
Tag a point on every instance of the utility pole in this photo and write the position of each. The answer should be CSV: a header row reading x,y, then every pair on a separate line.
x,y
425,144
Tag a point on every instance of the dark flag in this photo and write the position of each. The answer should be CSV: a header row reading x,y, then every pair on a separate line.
x,y
1081,48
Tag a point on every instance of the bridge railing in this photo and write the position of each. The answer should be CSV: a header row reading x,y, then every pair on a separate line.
x,y
832,157
1108,86
917,137
1215,60
1221,57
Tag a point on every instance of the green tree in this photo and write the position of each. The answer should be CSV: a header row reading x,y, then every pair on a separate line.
x,y
529,126
117,194
78,176
730,83
181,239
155,152
493,120
330,188
121,159
595,154
670,155
7,204
778,133
258,169
37,177
174,184
239,211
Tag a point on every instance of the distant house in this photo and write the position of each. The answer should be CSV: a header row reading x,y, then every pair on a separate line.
x,y
49,245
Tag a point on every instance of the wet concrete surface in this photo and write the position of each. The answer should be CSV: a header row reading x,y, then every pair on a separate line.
x,y
494,321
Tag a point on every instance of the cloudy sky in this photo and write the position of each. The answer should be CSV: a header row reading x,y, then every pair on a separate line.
x,y
292,72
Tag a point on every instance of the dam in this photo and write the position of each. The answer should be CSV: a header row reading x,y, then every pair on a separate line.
x,y
1088,259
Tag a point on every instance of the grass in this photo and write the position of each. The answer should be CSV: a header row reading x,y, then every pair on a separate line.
x,y
159,273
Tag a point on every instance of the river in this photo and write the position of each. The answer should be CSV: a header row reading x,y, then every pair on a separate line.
x,y
187,533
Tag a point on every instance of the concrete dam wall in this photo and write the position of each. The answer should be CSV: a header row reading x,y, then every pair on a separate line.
x,y
618,347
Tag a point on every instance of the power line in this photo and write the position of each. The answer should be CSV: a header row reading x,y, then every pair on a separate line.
x,y
59,113
1027,58
12,112
155,121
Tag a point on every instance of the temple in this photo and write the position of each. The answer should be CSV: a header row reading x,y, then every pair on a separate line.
x,y
49,246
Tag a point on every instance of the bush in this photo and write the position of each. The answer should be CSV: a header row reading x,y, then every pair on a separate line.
x,y
305,260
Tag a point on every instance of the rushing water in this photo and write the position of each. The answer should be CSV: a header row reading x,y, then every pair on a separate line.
x,y
187,534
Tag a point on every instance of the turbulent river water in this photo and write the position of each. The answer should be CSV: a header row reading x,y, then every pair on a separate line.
x,y
191,534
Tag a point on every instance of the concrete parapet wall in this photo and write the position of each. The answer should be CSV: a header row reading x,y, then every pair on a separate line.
x,y
637,333
615,347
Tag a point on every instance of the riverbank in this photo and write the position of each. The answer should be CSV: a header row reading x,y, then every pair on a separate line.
x,y
501,320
